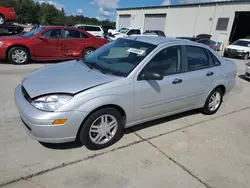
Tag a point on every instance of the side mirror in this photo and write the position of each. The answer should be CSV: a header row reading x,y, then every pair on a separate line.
x,y
150,76
41,37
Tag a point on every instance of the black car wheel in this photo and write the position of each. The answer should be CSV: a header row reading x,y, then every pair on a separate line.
x,y
213,102
101,129
18,55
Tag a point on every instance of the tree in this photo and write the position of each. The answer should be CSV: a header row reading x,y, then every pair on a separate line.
x,y
29,11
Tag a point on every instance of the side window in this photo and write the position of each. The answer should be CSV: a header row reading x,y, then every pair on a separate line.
x,y
52,34
166,62
85,36
197,58
214,59
69,33
131,32
137,31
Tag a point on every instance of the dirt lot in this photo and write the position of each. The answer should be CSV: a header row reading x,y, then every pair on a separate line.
x,y
187,150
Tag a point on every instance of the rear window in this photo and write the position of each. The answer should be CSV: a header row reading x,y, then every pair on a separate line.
x,y
197,58
92,28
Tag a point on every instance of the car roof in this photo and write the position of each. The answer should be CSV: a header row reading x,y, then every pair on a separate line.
x,y
248,40
154,40
87,25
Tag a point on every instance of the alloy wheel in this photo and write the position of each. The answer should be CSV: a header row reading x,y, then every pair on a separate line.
x,y
1,20
214,101
103,129
19,56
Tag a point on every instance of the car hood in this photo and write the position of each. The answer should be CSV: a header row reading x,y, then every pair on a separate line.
x,y
3,38
235,47
68,77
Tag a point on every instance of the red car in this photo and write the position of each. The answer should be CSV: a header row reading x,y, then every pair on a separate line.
x,y
7,15
49,43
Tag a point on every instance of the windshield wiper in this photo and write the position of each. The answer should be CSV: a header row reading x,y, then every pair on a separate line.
x,y
95,66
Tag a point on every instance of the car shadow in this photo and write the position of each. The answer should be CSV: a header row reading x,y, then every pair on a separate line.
x,y
78,144
160,121
62,146
243,77
36,62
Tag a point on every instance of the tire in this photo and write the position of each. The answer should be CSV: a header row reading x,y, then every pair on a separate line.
x,y
87,51
2,20
207,110
245,57
23,58
225,55
91,134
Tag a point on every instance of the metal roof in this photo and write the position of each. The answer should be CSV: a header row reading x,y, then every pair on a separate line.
x,y
189,5
153,39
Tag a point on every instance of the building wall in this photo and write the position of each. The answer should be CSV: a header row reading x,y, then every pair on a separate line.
x,y
191,20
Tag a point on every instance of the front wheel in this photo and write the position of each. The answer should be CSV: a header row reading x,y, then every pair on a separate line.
x,y
213,102
2,20
18,55
102,129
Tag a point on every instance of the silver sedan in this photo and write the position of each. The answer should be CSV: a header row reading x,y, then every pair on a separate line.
x,y
122,84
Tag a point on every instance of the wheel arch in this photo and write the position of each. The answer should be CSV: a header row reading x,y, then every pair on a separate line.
x,y
17,45
117,107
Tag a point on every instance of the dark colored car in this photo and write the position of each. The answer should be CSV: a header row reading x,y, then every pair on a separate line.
x,y
49,43
212,44
7,15
156,32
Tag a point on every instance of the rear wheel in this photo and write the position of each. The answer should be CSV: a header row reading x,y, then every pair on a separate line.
x,y
87,51
2,19
18,55
213,102
101,129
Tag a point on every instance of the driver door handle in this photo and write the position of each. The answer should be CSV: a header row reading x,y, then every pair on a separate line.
x,y
210,73
177,81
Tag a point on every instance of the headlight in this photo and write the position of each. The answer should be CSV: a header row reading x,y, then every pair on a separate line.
x,y
241,51
1,43
51,102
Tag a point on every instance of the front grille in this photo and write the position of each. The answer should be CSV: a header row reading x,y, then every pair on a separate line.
x,y
26,95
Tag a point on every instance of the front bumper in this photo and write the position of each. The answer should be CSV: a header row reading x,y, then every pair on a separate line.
x,y
38,124
2,53
247,74
234,53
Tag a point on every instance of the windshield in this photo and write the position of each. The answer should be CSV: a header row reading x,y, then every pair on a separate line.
x,y
242,43
119,57
33,32
123,30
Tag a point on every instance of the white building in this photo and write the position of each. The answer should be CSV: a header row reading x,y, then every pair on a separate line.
x,y
224,20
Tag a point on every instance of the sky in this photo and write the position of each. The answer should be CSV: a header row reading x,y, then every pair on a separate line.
x,y
106,9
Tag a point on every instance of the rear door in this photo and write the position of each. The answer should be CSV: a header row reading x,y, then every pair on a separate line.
x,y
50,46
200,75
73,43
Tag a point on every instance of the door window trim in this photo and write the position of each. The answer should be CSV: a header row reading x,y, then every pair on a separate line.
x,y
186,60
81,33
50,30
183,67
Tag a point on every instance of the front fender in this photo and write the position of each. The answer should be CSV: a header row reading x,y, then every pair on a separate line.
x,y
126,104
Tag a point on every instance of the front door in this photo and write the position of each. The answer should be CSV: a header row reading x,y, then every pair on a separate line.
x,y
157,97
50,46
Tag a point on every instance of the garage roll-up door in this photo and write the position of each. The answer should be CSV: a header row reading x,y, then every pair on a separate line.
x,y
155,22
124,21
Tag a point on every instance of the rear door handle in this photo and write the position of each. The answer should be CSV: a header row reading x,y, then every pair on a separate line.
x,y
177,81
210,73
